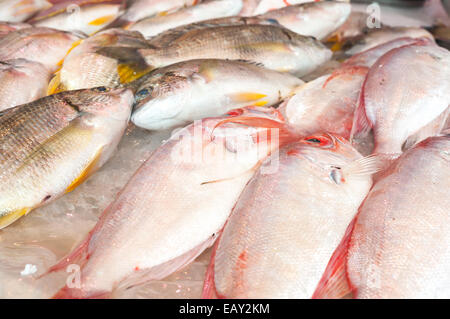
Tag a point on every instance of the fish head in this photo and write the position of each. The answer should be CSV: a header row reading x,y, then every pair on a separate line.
x,y
102,101
157,98
330,157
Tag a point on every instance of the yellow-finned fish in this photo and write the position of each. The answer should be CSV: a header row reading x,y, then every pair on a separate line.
x,y
44,45
50,146
317,19
22,81
274,47
209,9
87,16
186,91
83,68
135,10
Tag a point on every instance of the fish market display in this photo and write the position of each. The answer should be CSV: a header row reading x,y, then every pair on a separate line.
x,y
15,75
286,225
84,68
186,91
139,236
208,9
53,144
274,47
44,45
86,16
224,149
397,247
317,19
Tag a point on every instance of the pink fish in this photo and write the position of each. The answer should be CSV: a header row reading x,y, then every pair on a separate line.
x,y
285,226
404,97
175,204
397,246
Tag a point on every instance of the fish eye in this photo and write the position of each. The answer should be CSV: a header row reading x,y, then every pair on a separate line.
x,y
143,93
101,89
320,140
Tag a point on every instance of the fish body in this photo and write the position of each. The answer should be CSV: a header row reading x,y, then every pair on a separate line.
x,y
15,76
20,10
397,247
80,15
317,19
135,10
6,27
255,7
378,36
166,37
274,47
285,226
51,145
174,205
405,90
44,45
206,10
326,103
84,68
186,91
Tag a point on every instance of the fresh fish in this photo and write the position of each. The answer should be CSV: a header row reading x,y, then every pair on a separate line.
x,y
397,246
328,103
165,38
285,226
206,10
353,28
84,68
50,146
20,10
186,91
22,81
375,37
404,97
150,232
44,45
87,16
317,19
255,7
135,10
274,47
6,27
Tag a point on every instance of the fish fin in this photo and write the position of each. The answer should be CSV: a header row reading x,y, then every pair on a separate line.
x,y
75,293
361,125
247,97
253,169
131,64
158,272
55,85
334,283
118,22
87,171
10,217
348,70
102,20
431,129
364,166
209,287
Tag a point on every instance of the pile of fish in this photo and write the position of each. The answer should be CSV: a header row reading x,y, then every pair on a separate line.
x,y
311,152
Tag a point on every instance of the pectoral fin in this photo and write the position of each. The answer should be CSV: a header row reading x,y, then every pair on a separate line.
x,y
55,85
102,20
249,97
8,218
87,171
